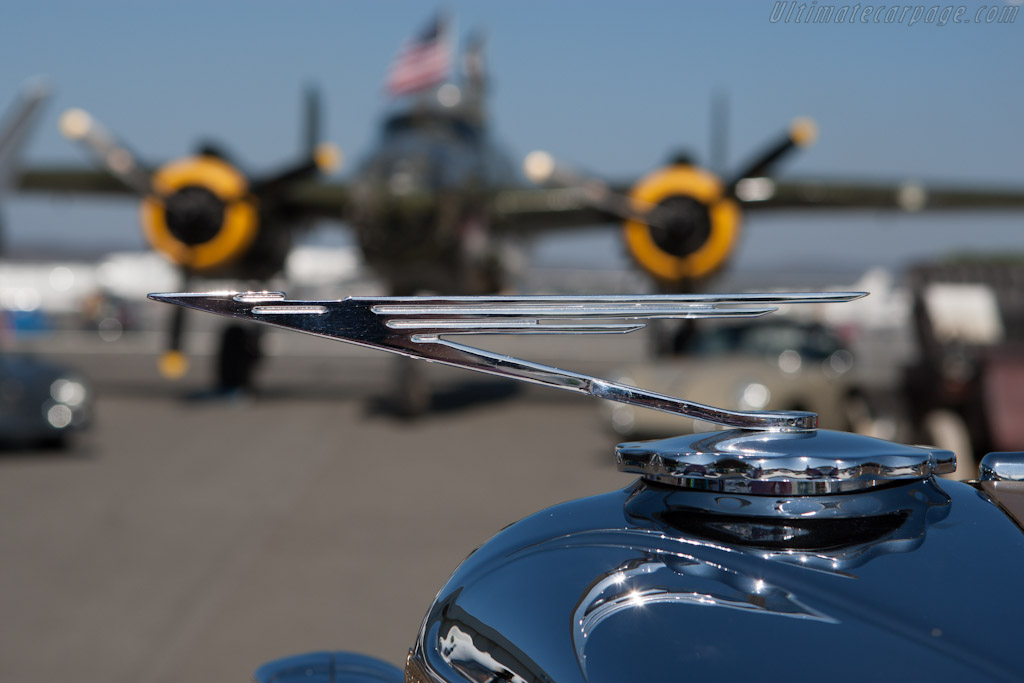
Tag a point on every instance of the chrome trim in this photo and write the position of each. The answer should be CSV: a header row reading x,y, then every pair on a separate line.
x,y
414,327
1002,466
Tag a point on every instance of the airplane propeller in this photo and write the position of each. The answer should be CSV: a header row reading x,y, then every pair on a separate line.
x,y
682,221
802,133
201,212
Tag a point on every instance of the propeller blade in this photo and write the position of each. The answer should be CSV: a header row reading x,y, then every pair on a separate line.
x,y
541,168
319,157
79,126
326,158
311,134
719,133
802,132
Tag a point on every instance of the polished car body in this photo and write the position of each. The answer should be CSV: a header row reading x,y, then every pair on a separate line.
x,y
870,561
776,364
40,403
656,583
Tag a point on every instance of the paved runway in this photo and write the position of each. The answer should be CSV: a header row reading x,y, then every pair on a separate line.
x,y
192,540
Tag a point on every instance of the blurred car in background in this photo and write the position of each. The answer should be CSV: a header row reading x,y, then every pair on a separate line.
x,y
764,365
964,391
41,403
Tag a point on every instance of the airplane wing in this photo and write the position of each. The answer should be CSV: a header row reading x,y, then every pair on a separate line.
x,y
58,179
530,210
309,198
681,224
205,181
314,199
537,210
907,196
682,221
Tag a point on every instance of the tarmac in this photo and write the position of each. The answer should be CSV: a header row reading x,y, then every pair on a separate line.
x,y
190,538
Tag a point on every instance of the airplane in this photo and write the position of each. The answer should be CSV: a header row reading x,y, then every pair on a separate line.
x,y
433,201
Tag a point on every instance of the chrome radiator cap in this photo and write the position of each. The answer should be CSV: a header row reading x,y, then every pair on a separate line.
x,y
780,463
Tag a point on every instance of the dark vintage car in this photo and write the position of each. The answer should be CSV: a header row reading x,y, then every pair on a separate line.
x,y
768,550
41,403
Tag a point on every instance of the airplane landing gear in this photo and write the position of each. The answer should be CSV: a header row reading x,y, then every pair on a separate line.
x,y
412,394
668,338
237,358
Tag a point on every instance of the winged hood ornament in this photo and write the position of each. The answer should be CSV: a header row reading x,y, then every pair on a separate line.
x,y
427,328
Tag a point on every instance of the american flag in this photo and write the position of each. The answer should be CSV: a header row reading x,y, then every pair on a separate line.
x,y
422,61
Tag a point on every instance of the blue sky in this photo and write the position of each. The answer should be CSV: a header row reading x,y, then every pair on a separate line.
x,y
610,87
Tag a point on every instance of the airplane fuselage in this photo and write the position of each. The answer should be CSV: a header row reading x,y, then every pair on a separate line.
x,y
422,204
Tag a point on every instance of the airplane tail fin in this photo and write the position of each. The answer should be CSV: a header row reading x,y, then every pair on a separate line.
x,y
14,133
16,127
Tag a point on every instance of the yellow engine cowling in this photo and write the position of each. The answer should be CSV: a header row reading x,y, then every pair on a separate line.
x,y
713,250
237,229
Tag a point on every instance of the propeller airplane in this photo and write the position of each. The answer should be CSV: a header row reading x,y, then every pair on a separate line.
x,y
433,201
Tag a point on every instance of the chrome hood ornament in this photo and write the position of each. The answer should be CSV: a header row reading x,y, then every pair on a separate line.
x,y
420,327
764,452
